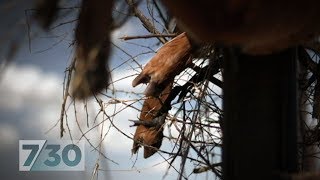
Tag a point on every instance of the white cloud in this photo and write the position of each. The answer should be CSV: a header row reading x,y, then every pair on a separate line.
x,y
34,95
21,85
8,135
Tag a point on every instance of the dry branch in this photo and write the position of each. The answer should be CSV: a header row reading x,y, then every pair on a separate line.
x,y
125,38
145,21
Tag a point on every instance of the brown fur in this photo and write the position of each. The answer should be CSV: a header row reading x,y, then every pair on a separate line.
x,y
92,48
257,26
150,136
171,59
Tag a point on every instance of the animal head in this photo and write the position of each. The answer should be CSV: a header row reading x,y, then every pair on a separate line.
x,y
150,138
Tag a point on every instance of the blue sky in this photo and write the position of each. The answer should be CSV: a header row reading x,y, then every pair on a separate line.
x,y
31,97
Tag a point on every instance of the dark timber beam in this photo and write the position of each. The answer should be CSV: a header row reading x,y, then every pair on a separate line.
x,y
259,126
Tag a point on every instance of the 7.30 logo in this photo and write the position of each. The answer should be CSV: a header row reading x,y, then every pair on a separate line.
x,y
41,155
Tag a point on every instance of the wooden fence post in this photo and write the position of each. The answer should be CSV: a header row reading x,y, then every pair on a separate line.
x,y
260,116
